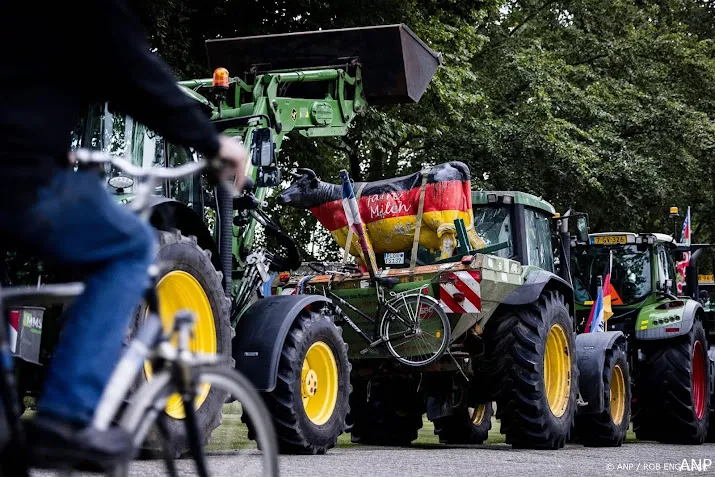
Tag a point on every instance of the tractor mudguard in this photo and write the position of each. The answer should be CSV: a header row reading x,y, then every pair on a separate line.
x,y
711,362
534,283
658,324
591,352
167,214
260,335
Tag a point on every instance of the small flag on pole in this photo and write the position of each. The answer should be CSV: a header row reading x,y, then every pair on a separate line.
x,y
352,213
601,310
681,266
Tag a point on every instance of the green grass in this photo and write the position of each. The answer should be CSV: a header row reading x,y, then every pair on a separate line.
x,y
426,436
232,434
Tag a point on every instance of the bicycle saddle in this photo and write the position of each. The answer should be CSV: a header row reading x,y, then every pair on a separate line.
x,y
387,282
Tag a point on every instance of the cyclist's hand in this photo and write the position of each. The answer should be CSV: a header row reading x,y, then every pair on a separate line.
x,y
234,153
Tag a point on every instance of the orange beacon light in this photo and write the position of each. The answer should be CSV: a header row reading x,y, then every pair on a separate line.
x,y
220,79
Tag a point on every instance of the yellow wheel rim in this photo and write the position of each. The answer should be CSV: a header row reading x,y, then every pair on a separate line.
x,y
178,290
557,370
478,414
618,395
319,383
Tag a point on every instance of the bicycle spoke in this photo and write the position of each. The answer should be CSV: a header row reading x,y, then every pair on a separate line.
x,y
407,325
400,344
412,318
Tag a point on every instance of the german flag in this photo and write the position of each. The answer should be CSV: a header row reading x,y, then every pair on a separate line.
x,y
389,208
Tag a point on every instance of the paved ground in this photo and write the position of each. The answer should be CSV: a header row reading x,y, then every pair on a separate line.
x,y
635,459
428,459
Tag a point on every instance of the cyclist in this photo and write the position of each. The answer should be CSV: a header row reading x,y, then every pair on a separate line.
x,y
58,57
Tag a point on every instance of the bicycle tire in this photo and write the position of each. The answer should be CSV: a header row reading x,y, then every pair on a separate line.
x,y
150,399
421,301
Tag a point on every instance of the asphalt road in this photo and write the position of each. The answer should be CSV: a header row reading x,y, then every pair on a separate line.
x,y
487,460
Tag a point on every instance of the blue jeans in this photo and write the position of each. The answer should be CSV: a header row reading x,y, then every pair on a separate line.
x,y
76,223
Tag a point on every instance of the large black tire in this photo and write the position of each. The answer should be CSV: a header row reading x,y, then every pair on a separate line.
x,y
177,253
517,344
609,427
667,407
384,413
466,426
297,432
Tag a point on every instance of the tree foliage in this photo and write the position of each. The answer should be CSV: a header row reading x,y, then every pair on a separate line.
x,y
607,107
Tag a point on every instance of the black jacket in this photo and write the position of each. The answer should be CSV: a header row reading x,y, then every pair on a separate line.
x,y
55,58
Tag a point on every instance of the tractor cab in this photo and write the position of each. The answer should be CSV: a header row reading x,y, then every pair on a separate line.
x,y
101,127
706,295
643,275
512,225
706,287
515,225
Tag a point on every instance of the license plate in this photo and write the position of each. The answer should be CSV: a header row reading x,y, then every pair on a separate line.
x,y
609,240
395,258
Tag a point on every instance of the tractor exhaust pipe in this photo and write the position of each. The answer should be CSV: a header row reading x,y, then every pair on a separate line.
x,y
565,268
225,213
691,274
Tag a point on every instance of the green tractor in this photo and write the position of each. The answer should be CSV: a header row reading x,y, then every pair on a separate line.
x,y
706,287
513,334
311,83
666,336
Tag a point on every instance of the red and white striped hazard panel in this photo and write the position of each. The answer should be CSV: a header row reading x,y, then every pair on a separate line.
x,y
14,329
459,292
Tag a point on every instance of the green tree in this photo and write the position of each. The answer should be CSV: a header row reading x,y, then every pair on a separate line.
x,y
602,106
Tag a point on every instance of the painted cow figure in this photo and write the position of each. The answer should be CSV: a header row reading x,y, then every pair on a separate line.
x,y
389,208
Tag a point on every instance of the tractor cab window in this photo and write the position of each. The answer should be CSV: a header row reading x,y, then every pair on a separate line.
x,y
125,136
707,294
630,273
538,240
493,225
186,190
106,129
87,132
666,268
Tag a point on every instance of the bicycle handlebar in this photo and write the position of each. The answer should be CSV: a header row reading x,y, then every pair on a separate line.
x,y
86,156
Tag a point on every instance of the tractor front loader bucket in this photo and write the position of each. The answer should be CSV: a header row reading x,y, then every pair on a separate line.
x,y
396,65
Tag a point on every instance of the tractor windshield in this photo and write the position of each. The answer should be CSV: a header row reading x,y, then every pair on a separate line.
x,y
707,294
102,128
116,133
630,275
493,225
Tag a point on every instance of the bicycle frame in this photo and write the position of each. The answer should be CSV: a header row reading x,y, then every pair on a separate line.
x,y
383,306
125,373
146,345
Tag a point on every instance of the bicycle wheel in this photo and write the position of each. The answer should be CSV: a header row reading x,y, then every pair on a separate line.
x,y
417,333
151,398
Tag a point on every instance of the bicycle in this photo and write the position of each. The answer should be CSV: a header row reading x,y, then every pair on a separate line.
x,y
420,317
175,368
259,261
